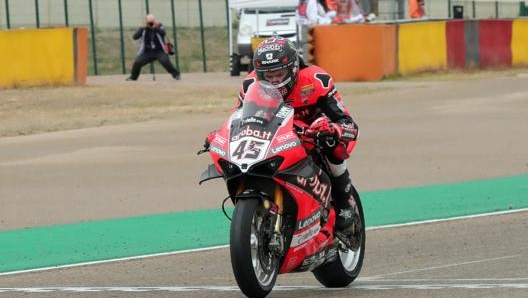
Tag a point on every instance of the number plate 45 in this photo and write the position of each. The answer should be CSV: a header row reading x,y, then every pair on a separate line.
x,y
248,150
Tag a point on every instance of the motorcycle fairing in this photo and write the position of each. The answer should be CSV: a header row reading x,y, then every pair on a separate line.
x,y
328,254
308,176
313,231
210,173
247,141
220,144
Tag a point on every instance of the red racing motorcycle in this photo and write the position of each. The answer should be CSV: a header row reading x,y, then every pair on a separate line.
x,y
283,219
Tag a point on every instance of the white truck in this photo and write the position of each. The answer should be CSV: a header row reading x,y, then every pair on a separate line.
x,y
256,24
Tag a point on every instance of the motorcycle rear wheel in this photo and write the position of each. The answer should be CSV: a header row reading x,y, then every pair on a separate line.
x,y
347,266
254,267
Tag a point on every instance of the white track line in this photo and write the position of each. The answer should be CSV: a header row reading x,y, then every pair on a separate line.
x,y
443,266
449,219
357,286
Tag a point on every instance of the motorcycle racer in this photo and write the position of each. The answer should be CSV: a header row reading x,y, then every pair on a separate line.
x,y
311,92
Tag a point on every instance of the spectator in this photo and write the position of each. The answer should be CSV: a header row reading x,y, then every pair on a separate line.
x,y
417,9
349,11
151,48
367,9
314,12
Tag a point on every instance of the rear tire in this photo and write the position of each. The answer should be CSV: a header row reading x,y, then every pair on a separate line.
x,y
347,266
255,269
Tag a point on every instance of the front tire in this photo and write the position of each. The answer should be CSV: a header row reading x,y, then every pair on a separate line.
x,y
347,266
254,266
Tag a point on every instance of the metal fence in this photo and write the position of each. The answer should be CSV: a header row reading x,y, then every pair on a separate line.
x,y
197,27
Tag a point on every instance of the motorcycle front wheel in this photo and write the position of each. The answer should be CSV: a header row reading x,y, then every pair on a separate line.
x,y
254,266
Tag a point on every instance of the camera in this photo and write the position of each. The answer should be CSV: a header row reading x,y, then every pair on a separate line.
x,y
150,24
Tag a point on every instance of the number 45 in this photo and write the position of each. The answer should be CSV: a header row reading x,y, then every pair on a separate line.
x,y
248,149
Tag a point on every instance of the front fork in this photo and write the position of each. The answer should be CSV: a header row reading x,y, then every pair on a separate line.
x,y
276,244
275,209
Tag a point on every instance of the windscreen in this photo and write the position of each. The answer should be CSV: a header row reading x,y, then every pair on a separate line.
x,y
260,104
255,124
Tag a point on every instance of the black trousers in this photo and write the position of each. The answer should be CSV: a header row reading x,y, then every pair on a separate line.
x,y
147,57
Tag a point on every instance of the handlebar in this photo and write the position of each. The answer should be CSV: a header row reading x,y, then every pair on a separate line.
x,y
302,131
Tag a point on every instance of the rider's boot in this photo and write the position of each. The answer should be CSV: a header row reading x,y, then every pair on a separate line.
x,y
347,213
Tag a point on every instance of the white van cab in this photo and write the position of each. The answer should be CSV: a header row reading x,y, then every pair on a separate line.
x,y
257,24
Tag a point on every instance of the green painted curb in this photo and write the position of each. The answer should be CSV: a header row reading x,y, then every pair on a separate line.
x,y
405,205
104,240
118,238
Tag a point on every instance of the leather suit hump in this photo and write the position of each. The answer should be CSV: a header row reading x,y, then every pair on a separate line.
x,y
314,94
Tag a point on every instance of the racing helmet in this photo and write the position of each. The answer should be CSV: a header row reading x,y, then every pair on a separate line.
x,y
276,53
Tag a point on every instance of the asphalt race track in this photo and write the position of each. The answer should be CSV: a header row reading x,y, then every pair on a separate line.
x,y
412,134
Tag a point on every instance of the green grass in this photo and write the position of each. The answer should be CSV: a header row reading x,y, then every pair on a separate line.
x,y
189,50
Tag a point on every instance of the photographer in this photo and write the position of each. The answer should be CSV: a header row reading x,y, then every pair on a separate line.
x,y
152,48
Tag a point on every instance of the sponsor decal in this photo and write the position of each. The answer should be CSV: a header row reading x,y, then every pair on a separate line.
x,y
314,258
299,247
309,221
283,112
252,120
277,22
320,190
285,137
348,135
307,89
270,47
304,236
217,150
219,139
270,61
284,147
248,132
348,125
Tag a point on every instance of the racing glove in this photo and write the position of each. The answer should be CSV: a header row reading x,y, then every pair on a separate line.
x,y
333,137
325,132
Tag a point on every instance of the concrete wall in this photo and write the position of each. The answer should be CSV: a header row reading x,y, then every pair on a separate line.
x,y
51,56
418,46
